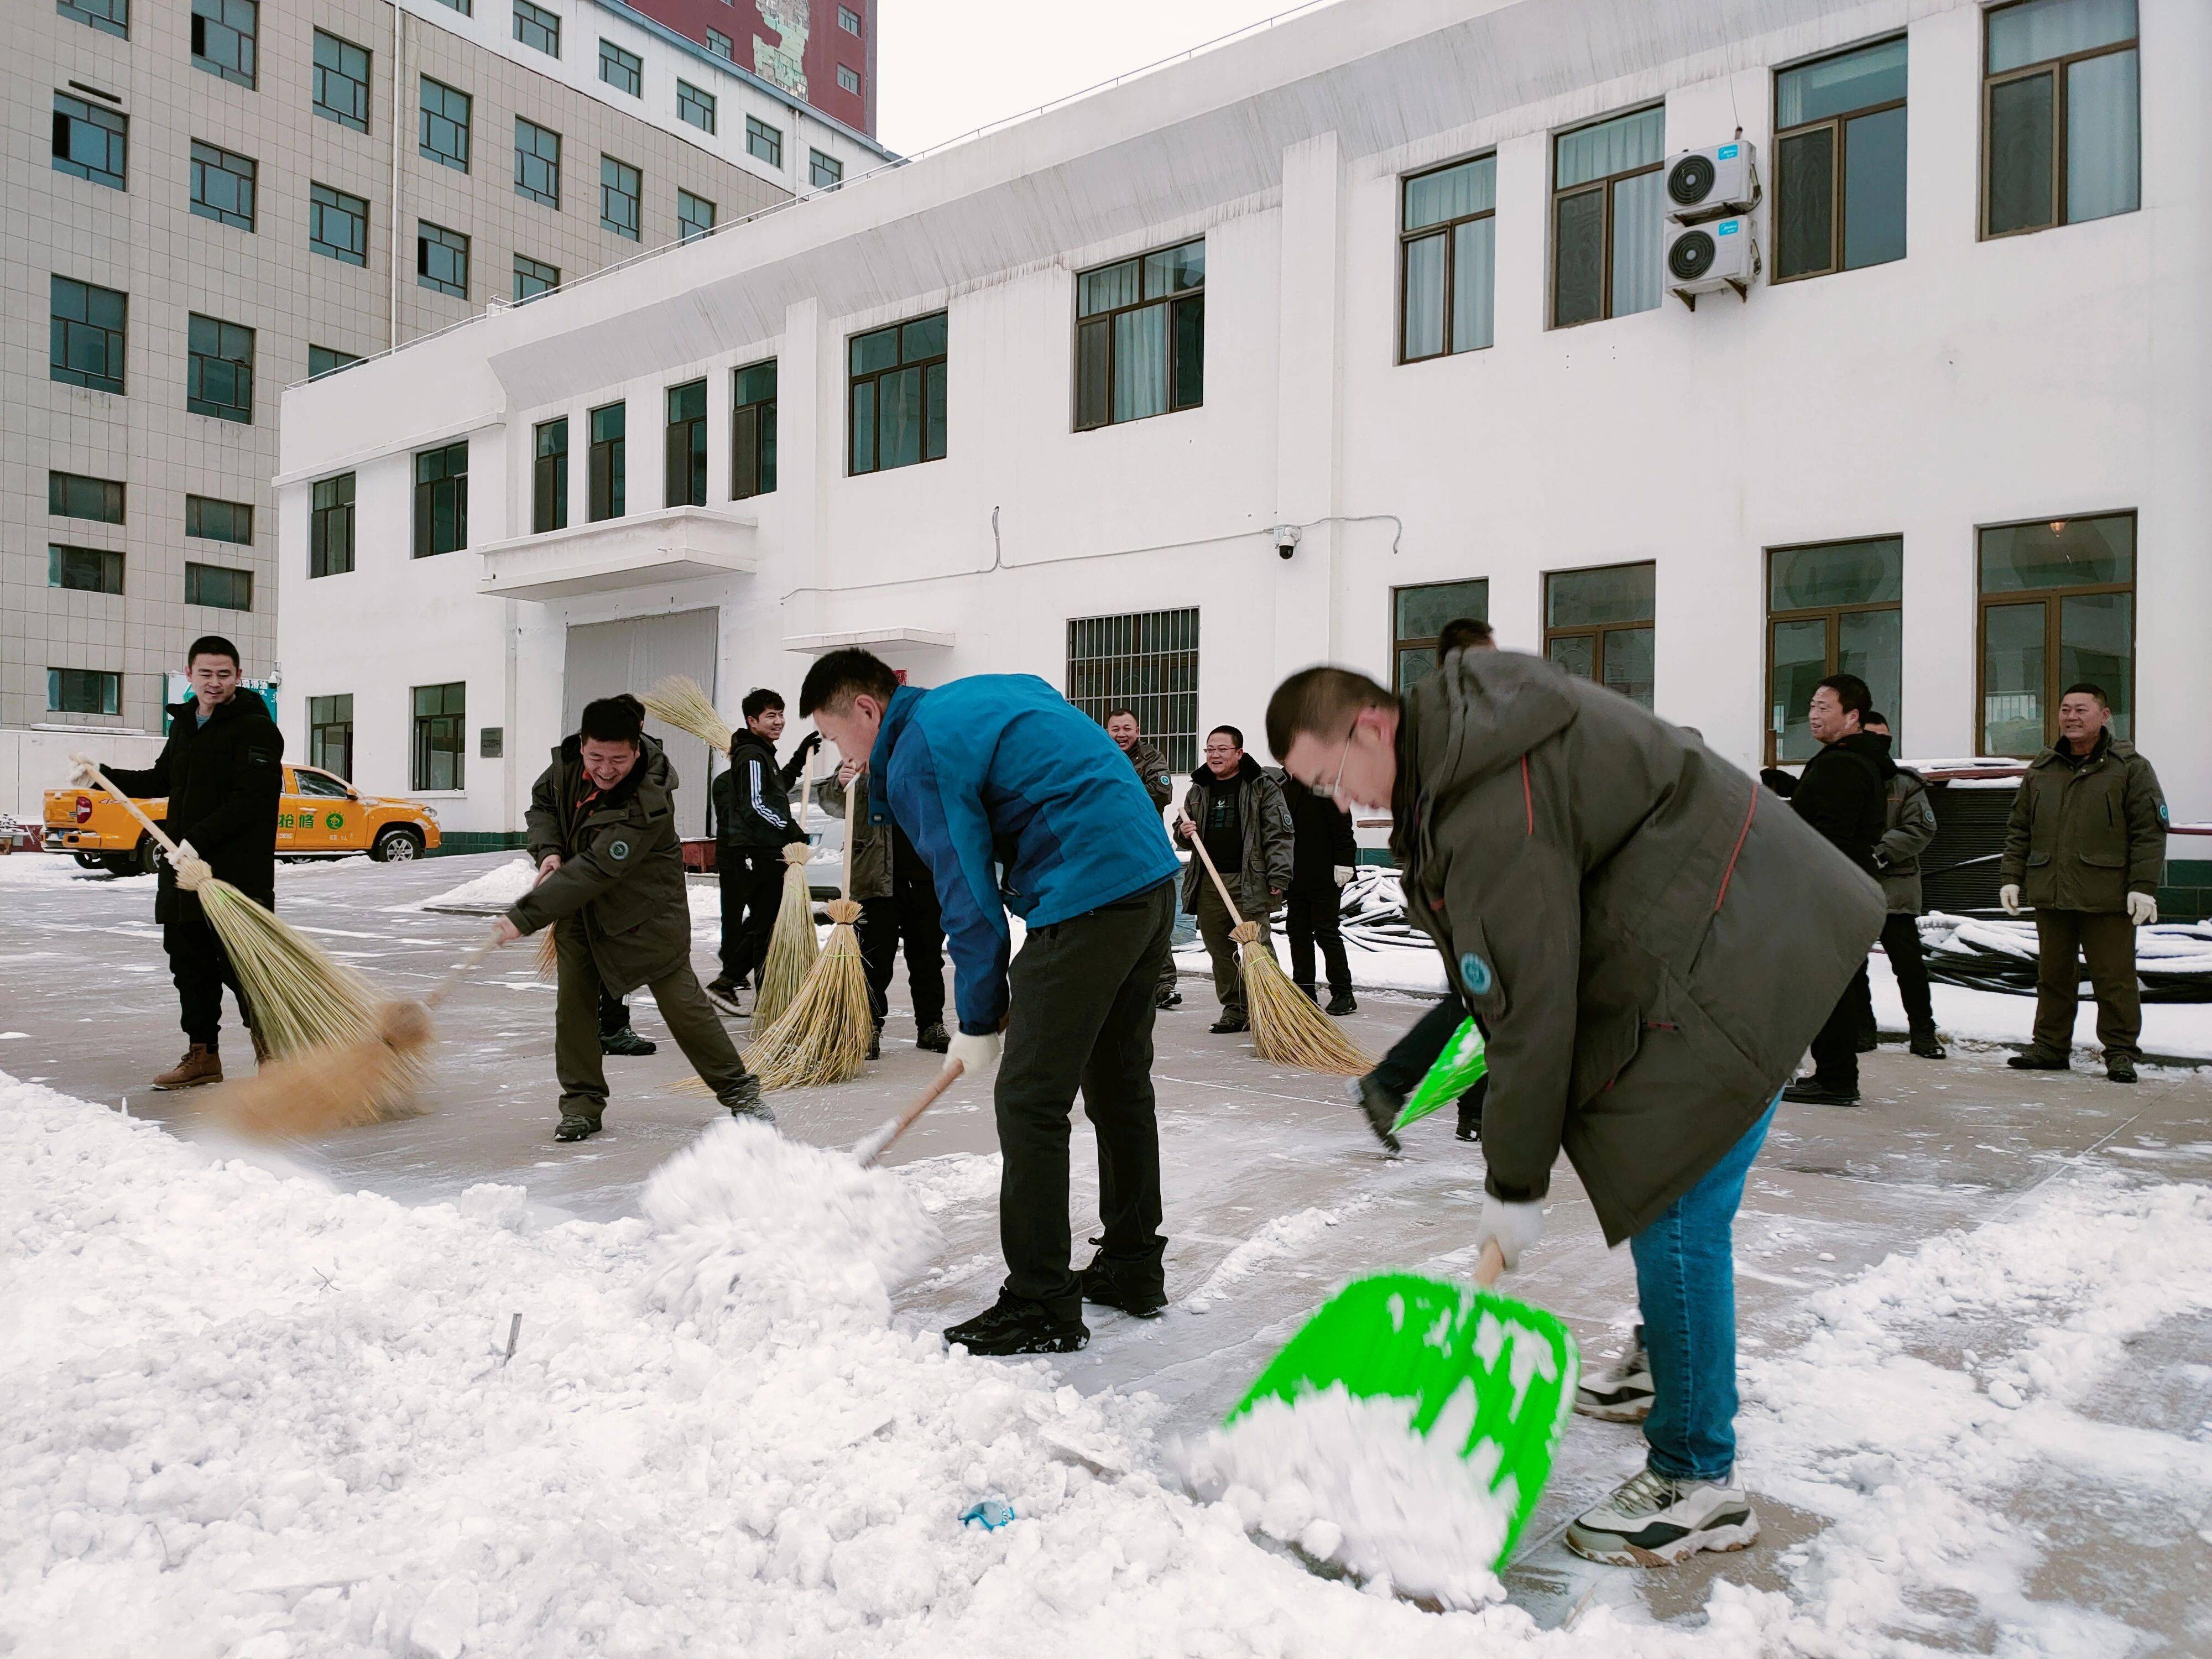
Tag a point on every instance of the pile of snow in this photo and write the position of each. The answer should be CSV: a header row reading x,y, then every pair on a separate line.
x,y
490,892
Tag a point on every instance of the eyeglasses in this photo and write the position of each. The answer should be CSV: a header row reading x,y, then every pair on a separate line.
x,y
1334,788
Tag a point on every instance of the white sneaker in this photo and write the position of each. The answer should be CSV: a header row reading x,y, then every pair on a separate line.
x,y
1621,1392
1652,1522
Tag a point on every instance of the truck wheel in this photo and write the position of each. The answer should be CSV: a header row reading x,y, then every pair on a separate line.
x,y
147,860
90,860
396,846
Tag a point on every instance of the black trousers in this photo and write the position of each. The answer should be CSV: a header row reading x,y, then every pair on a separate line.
x,y
1307,917
913,920
1082,1017
1402,1070
201,968
1901,943
614,1012
1836,1046
751,880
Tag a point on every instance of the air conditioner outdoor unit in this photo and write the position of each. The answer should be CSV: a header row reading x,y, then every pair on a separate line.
x,y
1703,258
1712,183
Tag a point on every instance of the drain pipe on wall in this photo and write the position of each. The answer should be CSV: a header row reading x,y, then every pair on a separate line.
x,y
398,79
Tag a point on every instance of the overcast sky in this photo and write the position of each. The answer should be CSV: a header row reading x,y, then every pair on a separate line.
x,y
945,67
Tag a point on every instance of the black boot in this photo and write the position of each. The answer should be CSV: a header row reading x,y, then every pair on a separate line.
x,y
578,1123
2119,1068
1470,1120
2032,1059
722,992
935,1037
1379,1106
1925,1044
744,1103
1012,1325
1812,1091
1141,1299
1169,998
876,1043
1231,1020
1343,1003
1869,1039
626,1041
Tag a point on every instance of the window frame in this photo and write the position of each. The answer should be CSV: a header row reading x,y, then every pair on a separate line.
x,y
340,360
198,403
197,519
1449,230
1598,631
874,378
635,230
535,153
690,100
116,342
764,142
631,65
424,734
684,448
1838,162
110,687
196,583
427,236
114,19
607,466
823,172
549,475
1165,672
341,204
62,486
2050,598
330,521
219,160
429,123
329,717
115,124
357,115
111,568
454,484
848,19
722,45
1400,644
848,79
761,464
2057,68
1833,615
688,225
538,273
245,72
1605,186
1171,305
547,25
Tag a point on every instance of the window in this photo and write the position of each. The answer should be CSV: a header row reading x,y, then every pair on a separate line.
x,y
90,142
622,70
763,141
219,380
897,395
2058,605
224,589
536,27
687,445
533,278
466,8
443,133
847,79
621,188
1833,609
1605,219
329,734
1146,662
441,259
826,172
441,733
549,476
537,162
752,432
223,35
108,16
86,569
86,348
695,107
1140,336
1839,162
1418,616
83,691
219,521
329,527
341,81
2062,142
338,224
608,465
719,44
222,186
1447,254
441,499
848,19
71,496
1597,624
328,360
695,215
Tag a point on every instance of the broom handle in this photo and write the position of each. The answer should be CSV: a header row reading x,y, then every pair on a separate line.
x,y
922,1103
845,877
1493,1264
439,992
1198,845
129,804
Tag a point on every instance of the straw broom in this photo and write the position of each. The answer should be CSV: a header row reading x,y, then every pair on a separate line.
x,y
678,701
823,1036
791,947
1286,1027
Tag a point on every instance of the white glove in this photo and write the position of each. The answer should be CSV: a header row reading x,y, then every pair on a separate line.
x,y
1343,873
976,1054
2008,895
2142,909
1515,1226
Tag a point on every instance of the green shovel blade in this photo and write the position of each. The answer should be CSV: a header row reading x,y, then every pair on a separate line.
x,y
1456,1069
1410,1338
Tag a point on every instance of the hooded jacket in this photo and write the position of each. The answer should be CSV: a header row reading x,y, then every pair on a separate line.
x,y
1650,939
223,781
1322,839
1269,840
2084,837
1908,831
1000,769
622,865
1844,793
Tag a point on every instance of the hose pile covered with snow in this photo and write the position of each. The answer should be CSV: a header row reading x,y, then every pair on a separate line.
x,y
2173,960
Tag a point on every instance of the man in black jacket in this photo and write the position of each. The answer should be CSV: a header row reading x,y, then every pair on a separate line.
x,y
753,823
1322,858
1152,772
222,771
1844,793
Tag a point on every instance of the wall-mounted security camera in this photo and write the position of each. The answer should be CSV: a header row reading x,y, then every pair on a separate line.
x,y
1287,537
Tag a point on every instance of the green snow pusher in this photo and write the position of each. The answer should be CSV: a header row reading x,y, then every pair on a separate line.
x,y
1458,1069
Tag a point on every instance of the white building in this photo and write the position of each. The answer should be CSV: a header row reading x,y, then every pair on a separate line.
x,y
1969,463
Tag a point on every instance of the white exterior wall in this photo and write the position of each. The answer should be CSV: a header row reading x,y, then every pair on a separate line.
x,y
2052,375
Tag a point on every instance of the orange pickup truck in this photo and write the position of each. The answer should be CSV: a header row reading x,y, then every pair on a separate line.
x,y
320,817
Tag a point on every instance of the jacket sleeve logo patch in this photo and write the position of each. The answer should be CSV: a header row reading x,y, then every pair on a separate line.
x,y
1475,974
258,756
618,850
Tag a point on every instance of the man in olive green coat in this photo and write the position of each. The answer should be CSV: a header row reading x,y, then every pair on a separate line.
x,y
1650,941
610,882
2085,847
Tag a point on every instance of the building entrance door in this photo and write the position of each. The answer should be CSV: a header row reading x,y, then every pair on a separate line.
x,y
630,655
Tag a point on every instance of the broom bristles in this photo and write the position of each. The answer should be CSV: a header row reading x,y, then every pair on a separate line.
x,y
793,948
679,702
1287,1029
301,999
823,1036
548,955
343,1085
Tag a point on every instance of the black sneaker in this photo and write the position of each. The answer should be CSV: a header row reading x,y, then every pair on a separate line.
x,y
1923,1043
1379,1106
2118,1068
876,1043
935,1037
1140,1302
723,993
1166,999
576,1126
744,1103
1228,1023
1811,1091
1470,1122
1012,1325
1342,1003
2032,1059
1869,1042
626,1041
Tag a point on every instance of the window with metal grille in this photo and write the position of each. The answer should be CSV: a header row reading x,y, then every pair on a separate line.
x,y
695,107
2062,135
108,16
89,142
752,432
1140,336
1839,163
219,379
441,736
825,172
1147,663
441,259
441,499
695,215
222,186
442,132
338,225
1833,608
549,476
341,81
764,141
329,527
536,27
622,193
86,344
533,278
537,162
1418,617
1598,624
2058,606
72,496
215,586
1447,257
608,462
329,734
83,691
328,360
896,395
686,480
224,35
1607,218
622,70
219,521
86,569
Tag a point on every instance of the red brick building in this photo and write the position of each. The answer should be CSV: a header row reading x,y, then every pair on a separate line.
x,y
823,51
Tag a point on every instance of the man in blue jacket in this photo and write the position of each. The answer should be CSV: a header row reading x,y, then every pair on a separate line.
x,y
1001,769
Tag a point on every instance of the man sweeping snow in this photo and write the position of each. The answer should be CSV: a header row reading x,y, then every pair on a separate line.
x,y
1000,769
1650,952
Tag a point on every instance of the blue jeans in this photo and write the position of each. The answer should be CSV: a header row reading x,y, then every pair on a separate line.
x,y
1685,1282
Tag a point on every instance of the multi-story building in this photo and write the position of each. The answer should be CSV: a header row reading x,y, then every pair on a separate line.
x,y
1295,350
212,198
822,50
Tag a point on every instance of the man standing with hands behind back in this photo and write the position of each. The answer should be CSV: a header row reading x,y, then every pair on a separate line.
x,y
1238,811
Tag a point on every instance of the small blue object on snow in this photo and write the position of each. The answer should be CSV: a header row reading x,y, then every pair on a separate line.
x,y
990,1514
1476,973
